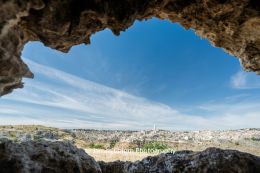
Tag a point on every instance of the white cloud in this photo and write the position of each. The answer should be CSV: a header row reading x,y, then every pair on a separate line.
x,y
245,80
230,114
56,98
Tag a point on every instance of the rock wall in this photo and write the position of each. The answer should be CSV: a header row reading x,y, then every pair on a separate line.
x,y
45,157
211,160
60,157
233,25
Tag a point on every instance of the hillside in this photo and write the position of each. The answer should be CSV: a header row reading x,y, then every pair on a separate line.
x,y
246,140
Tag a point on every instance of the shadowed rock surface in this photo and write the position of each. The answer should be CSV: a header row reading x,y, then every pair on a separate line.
x,y
61,157
212,160
44,157
233,25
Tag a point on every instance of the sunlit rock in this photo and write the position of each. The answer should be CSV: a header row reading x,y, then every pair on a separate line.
x,y
44,157
211,160
57,157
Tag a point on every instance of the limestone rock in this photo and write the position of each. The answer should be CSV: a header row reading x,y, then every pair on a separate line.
x,y
212,160
44,157
62,157
233,25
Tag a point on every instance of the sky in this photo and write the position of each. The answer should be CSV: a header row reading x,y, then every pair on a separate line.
x,y
156,72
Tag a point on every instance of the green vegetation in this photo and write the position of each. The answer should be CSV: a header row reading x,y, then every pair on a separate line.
x,y
255,139
155,145
96,146
112,144
12,134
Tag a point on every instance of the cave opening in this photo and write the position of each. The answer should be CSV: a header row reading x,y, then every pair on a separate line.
x,y
169,94
154,60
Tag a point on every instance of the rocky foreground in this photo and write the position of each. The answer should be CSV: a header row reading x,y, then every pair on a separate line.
x,y
57,157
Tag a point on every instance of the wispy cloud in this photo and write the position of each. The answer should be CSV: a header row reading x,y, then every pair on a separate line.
x,y
245,80
230,114
58,94
56,98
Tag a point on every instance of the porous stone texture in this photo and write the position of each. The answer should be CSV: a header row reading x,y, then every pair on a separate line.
x,y
44,157
233,25
212,160
62,157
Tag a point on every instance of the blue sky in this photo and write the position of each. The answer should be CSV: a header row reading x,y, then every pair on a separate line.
x,y
155,72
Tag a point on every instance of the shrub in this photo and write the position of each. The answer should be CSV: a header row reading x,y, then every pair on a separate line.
x,y
12,134
113,143
255,139
96,146
155,145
